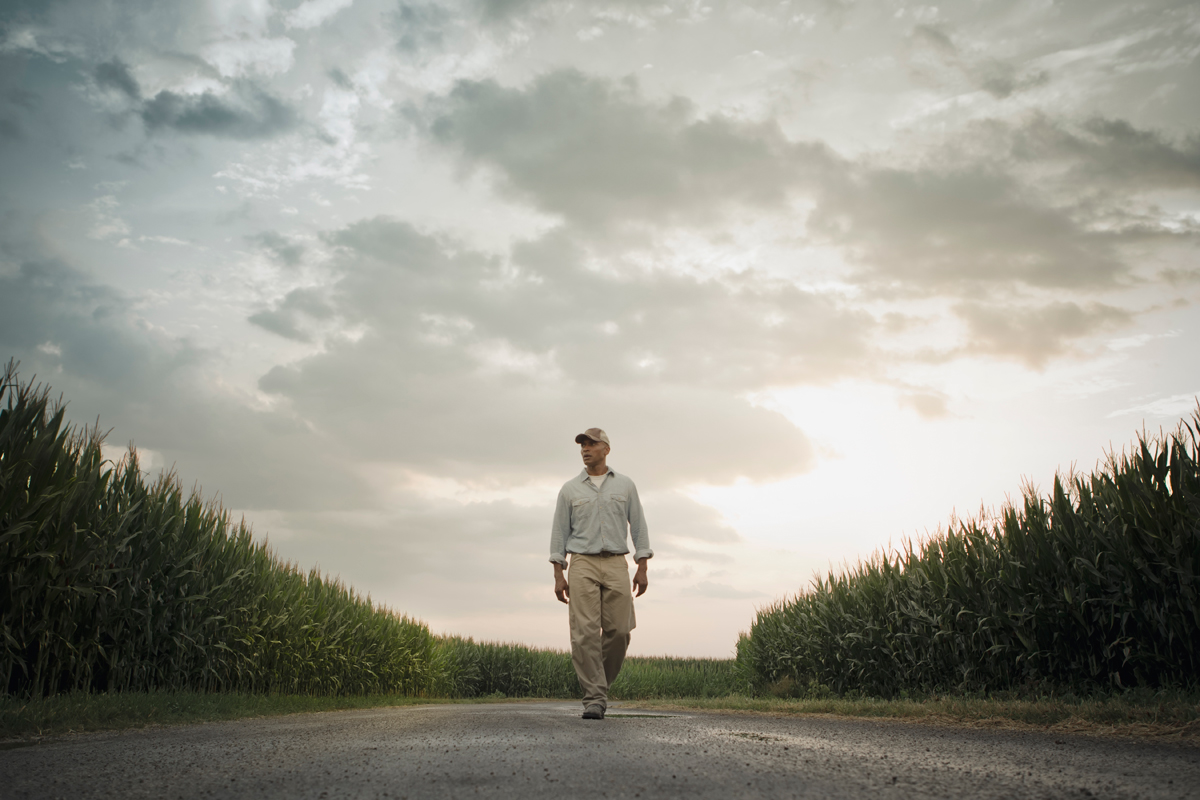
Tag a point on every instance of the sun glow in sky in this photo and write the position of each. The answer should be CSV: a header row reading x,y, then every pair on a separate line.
x,y
828,272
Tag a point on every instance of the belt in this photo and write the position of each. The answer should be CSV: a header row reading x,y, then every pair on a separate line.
x,y
601,554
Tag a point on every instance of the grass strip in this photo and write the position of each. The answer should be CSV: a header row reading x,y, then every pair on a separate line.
x,y
28,720
1164,714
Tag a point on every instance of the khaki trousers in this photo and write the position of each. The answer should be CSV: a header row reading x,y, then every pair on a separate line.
x,y
601,612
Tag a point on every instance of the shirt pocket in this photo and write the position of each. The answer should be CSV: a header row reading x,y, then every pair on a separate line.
x,y
617,503
583,514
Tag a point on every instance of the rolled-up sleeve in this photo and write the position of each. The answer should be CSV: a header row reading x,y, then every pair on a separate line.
x,y
637,527
560,529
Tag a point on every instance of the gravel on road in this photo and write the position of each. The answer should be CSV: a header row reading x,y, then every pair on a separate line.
x,y
534,750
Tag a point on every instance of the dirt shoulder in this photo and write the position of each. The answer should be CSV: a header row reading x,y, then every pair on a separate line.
x,y
1171,719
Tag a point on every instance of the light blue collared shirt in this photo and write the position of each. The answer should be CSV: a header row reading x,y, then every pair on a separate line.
x,y
590,520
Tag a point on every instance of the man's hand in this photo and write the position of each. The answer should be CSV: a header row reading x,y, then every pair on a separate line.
x,y
640,581
561,590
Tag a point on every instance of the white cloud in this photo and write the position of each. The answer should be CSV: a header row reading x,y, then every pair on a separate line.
x,y
312,13
499,356
271,169
1130,342
33,39
106,223
1179,405
239,17
165,240
338,111
235,58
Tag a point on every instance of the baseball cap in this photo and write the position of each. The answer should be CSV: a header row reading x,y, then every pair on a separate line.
x,y
595,434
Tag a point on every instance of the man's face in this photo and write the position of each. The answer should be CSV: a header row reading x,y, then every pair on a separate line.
x,y
593,452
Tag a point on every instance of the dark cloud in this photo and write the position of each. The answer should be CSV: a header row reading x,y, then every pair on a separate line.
x,y
115,74
290,316
677,517
27,11
501,10
15,100
340,78
86,327
420,26
1036,334
935,59
1042,202
953,230
595,152
517,11
284,250
742,332
1111,153
20,98
1001,80
89,342
10,128
935,39
247,113
930,405
475,352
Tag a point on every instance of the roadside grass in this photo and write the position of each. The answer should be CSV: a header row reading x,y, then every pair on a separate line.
x,y
78,712
1138,712
1164,714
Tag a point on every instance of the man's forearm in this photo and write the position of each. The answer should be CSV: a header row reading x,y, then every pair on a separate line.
x,y
562,589
640,579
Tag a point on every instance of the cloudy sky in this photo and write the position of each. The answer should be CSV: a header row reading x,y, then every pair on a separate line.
x,y
826,271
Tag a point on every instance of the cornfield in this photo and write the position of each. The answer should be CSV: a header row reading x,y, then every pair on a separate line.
x,y
110,583
1095,586
466,668
644,678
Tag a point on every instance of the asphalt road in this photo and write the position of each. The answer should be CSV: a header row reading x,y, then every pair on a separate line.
x,y
546,750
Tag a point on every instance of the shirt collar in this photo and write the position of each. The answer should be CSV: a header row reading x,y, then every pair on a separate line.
x,y
583,475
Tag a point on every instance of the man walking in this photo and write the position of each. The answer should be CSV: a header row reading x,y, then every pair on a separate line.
x,y
596,512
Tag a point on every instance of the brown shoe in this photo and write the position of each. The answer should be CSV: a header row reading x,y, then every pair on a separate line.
x,y
594,711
